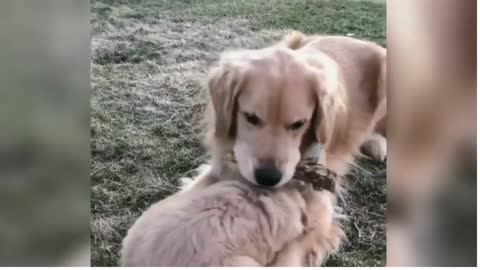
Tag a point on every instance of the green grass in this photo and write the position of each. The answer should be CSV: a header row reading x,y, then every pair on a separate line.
x,y
149,60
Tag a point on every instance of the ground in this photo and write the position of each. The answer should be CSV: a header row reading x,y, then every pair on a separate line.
x,y
148,65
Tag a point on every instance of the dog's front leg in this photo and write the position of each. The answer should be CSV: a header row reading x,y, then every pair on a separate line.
x,y
376,147
204,179
307,250
326,234
323,235
339,162
294,254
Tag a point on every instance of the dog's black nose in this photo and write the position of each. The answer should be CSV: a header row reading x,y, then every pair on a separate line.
x,y
268,175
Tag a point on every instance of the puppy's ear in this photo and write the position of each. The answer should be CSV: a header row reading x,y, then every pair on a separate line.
x,y
331,127
224,84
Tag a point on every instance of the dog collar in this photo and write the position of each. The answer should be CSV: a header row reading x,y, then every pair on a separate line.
x,y
318,151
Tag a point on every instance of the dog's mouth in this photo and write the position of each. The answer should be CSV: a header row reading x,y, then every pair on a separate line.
x,y
308,171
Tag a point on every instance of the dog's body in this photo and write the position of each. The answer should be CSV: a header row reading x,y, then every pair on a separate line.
x,y
360,68
271,108
232,223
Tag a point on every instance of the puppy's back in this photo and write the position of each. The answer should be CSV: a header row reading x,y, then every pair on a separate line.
x,y
211,227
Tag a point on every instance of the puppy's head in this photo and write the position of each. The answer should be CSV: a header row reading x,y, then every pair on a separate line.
x,y
266,104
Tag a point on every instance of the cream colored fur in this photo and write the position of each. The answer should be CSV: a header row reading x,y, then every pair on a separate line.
x,y
231,223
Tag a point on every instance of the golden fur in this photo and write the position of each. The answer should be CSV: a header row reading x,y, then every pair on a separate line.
x,y
348,113
335,86
347,92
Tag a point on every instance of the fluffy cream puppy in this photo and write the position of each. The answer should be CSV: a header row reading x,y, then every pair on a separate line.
x,y
232,223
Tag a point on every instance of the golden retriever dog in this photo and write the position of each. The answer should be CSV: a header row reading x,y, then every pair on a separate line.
x,y
274,106
232,223
270,108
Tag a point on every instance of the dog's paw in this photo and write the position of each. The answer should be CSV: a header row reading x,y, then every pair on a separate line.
x,y
325,245
376,147
315,257
188,183
185,182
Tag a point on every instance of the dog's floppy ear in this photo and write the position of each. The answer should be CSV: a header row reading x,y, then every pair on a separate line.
x,y
224,84
331,126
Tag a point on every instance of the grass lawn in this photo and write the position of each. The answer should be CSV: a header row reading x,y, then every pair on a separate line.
x,y
149,60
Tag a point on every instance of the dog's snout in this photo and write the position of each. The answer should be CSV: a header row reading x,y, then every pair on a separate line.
x,y
268,175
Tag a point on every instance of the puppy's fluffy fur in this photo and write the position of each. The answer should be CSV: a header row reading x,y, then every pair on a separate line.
x,y
232,223
334,86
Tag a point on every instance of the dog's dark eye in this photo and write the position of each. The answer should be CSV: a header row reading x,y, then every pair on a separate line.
x,y
252,119
296,125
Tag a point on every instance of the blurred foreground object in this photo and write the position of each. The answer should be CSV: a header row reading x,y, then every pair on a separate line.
x,y
44,139
432,128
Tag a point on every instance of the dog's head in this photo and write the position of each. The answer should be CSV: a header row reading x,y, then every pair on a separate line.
x,y
268,106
